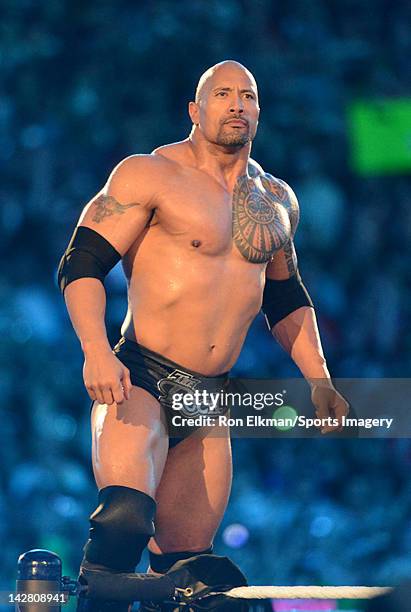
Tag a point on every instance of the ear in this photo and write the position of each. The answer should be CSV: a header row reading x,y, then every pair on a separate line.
x,y
194,112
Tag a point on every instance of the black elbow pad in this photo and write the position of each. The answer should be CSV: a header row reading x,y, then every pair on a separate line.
x,y
281,297
88,255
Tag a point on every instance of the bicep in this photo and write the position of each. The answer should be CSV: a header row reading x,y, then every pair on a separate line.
x,y
122,209
283,264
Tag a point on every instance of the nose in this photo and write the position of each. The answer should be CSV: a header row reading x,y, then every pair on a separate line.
x,y
236,105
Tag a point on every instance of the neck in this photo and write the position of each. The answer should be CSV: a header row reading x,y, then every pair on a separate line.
x,y
224,163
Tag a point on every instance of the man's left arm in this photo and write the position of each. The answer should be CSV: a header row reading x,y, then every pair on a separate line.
x,y
291,318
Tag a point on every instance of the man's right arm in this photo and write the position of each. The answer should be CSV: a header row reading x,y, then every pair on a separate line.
x,y
108,226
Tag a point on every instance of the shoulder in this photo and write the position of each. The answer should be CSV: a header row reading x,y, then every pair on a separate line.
x,y
283,193
280,188
134,164
138,175
255,170
135,178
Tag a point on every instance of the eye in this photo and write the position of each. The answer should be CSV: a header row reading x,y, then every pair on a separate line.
x,y
249,96
221,93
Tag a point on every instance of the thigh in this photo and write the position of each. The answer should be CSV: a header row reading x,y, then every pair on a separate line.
x,y
193,493
129,442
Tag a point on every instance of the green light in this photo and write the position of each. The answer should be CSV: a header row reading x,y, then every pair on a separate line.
x,y
283,413
380,136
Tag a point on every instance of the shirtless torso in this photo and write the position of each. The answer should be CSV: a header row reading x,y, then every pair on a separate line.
x,y
196,272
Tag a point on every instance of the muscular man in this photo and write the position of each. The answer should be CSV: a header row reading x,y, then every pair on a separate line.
x,y
206,239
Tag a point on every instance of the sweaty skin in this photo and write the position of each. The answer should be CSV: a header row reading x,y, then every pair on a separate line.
x,y
199,226
207,220
197,277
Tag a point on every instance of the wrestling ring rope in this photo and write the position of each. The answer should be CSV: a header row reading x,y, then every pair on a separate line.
x,y
307,592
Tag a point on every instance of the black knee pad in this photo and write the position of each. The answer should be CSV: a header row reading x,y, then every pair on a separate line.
x,y
121,527
162,563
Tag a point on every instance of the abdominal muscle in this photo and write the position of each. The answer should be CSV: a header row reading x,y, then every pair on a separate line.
x,y
196,314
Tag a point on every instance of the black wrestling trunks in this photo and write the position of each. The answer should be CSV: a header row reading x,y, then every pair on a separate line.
x,y
183,394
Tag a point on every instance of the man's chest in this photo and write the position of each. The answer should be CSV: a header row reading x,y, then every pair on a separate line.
x,y
255,220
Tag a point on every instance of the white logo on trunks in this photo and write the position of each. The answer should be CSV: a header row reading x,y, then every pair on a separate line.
x,y
183,379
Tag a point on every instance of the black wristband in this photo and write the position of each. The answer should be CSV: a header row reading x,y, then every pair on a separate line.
x,y
88,255
281,297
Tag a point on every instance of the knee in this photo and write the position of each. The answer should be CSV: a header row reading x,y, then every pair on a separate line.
x,y
120,528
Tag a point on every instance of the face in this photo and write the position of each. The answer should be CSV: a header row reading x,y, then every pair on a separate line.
x,y
227,109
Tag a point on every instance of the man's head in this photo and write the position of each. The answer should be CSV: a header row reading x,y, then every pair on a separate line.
x,y
226,106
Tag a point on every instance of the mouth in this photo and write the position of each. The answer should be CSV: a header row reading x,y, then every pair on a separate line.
x,y
237,123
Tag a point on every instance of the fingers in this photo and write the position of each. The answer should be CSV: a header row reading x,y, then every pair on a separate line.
x,y
91,393
333,412
106,394
102,393
322,411
121,389
329,428
341,410
322,408
108,382
127,385
117,392
111,392
330,407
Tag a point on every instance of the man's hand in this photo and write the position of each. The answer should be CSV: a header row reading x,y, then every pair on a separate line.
x,y
329,404
106,379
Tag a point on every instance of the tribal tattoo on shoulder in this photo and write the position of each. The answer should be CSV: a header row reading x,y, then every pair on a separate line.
x,y
262,218
284,194
106,206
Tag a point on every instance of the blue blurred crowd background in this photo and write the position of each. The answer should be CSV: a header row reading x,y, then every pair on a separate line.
x,y
86,84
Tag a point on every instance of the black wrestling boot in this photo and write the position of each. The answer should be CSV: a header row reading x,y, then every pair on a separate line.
x,y
87,604
103,590
197,579
160,564
120,529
